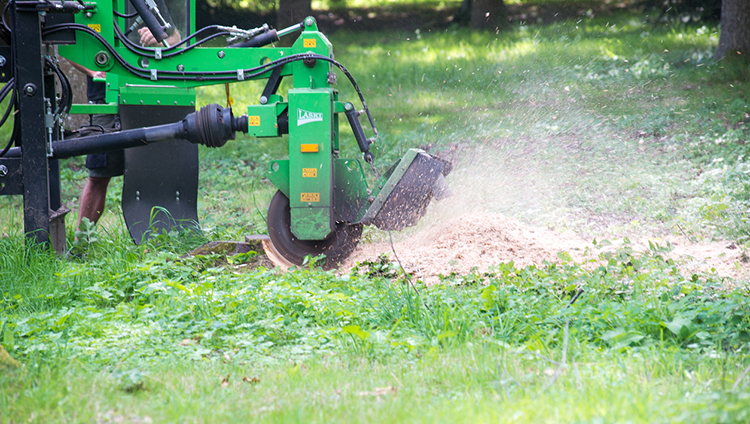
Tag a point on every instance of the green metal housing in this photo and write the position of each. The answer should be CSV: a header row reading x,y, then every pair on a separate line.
x,y
321,188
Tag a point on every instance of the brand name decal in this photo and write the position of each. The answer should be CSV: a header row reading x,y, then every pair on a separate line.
x,y
305,117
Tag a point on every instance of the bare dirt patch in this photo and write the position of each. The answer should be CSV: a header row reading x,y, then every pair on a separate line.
x,y
477,241
473,241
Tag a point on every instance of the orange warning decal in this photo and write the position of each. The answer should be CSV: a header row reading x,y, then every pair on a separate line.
x,y
310,197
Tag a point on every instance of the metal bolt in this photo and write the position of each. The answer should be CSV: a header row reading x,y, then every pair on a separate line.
x,y
89,14
3,170
309,21
180,67
158,102
29,89
101,58
309,204
348,106
221,54
263,100
2,60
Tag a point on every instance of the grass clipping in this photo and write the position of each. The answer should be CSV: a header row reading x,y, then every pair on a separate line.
x,y
472,242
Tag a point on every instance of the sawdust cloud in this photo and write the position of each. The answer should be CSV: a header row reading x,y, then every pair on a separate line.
x,y
511,203
475,228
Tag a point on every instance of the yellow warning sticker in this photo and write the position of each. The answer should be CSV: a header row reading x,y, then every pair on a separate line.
x,y
308,42
253,121
310,197
309,172
96,27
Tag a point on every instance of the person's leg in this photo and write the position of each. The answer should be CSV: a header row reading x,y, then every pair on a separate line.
x,y
93,199
102,167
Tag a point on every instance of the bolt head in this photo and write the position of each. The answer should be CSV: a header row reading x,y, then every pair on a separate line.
x,y
3,170
101,58
309,21
221,54
2,61
180,67
29,89
263,100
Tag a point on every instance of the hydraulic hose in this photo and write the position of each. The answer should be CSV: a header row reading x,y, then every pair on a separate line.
x,y
150,20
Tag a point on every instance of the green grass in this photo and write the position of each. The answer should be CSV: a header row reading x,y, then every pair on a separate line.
x,y
473,384
605,127
184,339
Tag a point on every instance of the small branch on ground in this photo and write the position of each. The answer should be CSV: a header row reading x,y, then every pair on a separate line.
x,y
740,378
563,363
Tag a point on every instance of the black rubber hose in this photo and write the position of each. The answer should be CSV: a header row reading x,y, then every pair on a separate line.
x,y
123,15
226,76
261,40
168,51
4,92
150,20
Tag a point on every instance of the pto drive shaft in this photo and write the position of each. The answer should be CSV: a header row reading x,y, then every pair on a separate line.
x,y
211,126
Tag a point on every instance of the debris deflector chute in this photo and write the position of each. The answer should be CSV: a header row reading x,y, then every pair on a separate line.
x,y
408,188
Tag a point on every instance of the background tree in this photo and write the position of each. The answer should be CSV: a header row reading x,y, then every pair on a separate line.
x,y
735,28
488,14
484,14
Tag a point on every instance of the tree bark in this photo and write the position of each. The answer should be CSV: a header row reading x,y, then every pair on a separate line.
x,y
735,29
488,14
292,12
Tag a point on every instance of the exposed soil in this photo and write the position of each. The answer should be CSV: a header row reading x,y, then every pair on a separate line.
x,y
477,241
473,240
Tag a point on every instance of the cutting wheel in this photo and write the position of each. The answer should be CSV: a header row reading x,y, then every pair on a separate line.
x,y
336,247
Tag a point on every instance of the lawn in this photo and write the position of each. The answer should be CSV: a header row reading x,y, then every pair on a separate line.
x,y
610,128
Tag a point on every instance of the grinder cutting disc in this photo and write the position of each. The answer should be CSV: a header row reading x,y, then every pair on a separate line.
x,y
336,247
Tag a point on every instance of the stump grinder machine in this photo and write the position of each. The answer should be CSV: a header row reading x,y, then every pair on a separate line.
x,y
323,200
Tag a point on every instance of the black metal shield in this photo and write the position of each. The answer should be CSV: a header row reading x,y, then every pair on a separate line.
x,y
160,187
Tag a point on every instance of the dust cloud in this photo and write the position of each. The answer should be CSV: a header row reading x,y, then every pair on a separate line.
x,y
525,201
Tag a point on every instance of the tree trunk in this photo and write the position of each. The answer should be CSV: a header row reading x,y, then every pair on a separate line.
x,y
488,14
735,29
292,12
